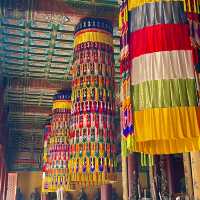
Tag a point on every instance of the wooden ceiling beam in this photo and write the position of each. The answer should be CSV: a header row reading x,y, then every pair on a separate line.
x,y
32,110
43,84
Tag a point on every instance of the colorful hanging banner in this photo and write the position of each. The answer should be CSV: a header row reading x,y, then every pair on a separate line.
x,y
126,112
56,146
92,137
163,90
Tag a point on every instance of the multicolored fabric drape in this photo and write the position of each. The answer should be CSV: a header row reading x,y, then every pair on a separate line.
x,y
45,179
194,24
56,145
127,124
163,86
127,128
93,150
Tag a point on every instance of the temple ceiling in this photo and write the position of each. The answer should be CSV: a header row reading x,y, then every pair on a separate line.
x,y
36,54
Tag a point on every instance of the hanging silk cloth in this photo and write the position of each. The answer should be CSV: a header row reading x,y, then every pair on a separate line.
x,y
163,87
93,150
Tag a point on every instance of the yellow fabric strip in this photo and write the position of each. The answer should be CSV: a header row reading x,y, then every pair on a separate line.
x,y
62,104
172,146
167,124
93,37
167,65
136,3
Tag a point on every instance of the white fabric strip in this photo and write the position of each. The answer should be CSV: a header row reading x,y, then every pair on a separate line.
x,y
162,65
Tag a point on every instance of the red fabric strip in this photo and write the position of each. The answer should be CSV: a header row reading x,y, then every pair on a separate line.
x,y
163,37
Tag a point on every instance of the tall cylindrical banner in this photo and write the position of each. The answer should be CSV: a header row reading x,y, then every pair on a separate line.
x,y
45,167
56,145
93,150
163,86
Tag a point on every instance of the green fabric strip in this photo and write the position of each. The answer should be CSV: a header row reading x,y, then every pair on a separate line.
x,y
164,93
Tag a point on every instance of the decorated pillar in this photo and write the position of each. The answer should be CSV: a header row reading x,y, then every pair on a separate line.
x,y
56,146
93,150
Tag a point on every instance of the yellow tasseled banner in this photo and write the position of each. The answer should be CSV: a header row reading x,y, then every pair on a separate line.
x,y
192,6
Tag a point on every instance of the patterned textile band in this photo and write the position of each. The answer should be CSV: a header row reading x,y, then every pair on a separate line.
x,y
92,137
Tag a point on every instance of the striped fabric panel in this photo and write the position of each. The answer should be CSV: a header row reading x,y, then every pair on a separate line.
x,y
164,93
132,4
162,65
163,12
163,37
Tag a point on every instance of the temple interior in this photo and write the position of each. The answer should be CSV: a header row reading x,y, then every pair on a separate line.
x,y
99,100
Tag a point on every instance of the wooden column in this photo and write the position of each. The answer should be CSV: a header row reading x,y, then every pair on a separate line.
x,y
152,183
124,178
5,185
132,176
188,175
3,179
3,141
1,171
44,196
169,175
162,173
195,164
106,192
